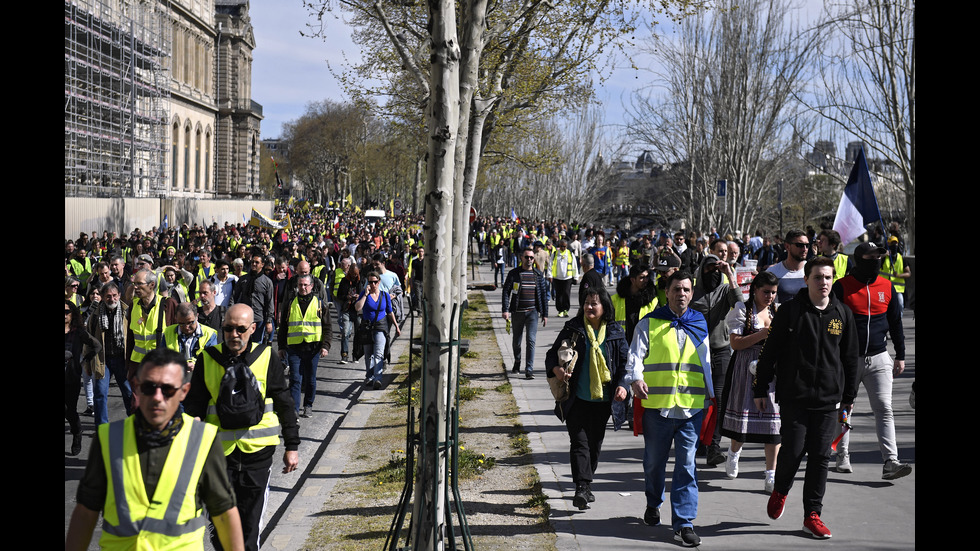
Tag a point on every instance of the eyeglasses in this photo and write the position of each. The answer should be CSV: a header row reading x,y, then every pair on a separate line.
x,y
241,329
148,388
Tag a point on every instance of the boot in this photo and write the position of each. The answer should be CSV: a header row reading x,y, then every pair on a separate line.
x,y
76,444
581,499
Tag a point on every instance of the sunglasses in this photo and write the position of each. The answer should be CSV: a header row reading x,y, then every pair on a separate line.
x,y
528,258
150,389
374,281
240,329
800,245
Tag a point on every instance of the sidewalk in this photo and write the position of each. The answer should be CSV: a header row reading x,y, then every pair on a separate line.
x,y
863,511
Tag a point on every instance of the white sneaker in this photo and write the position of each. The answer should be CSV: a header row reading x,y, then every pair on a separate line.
x,y
731,464
844,463
770,481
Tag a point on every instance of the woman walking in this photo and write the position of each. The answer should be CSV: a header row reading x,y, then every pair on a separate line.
x,y
595,381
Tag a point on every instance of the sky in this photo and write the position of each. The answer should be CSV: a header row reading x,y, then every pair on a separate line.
x,y
289,70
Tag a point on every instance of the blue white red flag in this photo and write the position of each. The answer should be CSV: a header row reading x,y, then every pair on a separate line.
x,y
858,204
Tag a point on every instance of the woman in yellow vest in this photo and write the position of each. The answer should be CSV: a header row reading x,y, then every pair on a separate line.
x,y
594,382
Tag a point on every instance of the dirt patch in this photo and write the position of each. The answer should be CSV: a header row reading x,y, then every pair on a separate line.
x,y
504,506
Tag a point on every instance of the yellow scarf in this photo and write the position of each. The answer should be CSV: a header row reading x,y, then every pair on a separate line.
x,y
598,372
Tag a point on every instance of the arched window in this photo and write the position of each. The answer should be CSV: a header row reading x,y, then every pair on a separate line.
x,y
207,159
173,154
187,156
197,160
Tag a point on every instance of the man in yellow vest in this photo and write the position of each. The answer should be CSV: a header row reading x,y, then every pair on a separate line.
x,y
248,450
149,315
181,463
304,337
894,269
828,241
187,336
670,372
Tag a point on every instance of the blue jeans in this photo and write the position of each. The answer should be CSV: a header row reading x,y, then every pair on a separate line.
x,y
374,357
525,322
658,434
114,367
346,329
302,375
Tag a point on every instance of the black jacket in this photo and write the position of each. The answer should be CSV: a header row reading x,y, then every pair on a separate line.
x,y
617,350
514,277
812,353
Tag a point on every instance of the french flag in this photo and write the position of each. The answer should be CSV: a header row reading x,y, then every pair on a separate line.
x,y
858,205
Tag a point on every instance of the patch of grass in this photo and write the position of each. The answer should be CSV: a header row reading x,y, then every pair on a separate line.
x,y
538,500
519,441
471,354
393,470
473,464
469,393
505,388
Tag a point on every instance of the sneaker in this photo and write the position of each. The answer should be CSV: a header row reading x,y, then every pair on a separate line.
x,y
893,469
89,412
588,492
581,499
844,463
306,412
651,517
815,527
528,375
731,464
776,503
515,369
687,537
376,385
770,482
715,456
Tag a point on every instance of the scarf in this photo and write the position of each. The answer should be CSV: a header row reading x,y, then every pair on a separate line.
x,y
156,438
598,372
691,321
118,330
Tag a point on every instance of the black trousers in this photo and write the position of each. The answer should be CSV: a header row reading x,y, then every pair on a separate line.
x,y
251,487
720,358
563,290
809,432
586,424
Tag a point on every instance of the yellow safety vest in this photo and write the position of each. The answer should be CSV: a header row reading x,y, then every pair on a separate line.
x,y
619,305
338,276
304,327
170,337
146,334
570,266
840,266
256,437
891,272
81,271
170,518
674,378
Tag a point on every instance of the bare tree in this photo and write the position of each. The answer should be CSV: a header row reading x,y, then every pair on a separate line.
x,y
567,180
869,86
726,107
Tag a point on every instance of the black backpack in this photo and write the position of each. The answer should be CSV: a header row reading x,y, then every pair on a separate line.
x,y
240,403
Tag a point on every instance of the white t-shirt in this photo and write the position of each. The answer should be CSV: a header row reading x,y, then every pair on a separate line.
x,y
790,282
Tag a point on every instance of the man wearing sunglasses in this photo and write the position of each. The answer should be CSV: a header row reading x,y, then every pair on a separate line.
x,y
249,452
142,444
525,300
790,271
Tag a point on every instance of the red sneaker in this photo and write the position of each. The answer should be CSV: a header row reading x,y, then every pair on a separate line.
x,y
776,503
814,526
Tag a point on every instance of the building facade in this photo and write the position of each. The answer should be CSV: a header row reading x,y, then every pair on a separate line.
x,y
142,110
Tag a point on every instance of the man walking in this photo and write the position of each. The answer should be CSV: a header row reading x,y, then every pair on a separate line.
x,y
877,310
303,340
248,449
256,290
670,371
154,507
108,325
564,272
811,350
525,300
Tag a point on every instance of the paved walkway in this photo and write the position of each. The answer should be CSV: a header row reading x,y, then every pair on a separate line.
x,y
863,511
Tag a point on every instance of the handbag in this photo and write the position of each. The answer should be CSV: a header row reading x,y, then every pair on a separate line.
x,y
567,358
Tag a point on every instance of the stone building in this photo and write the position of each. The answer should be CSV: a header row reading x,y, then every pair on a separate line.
x,y
157,99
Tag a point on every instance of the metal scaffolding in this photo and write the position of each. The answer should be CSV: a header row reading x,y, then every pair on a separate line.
x,y
117,89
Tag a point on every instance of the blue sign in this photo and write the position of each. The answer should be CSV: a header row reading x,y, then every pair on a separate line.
x,y
721,187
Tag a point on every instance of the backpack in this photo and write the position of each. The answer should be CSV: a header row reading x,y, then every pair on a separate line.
x,y
240,402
